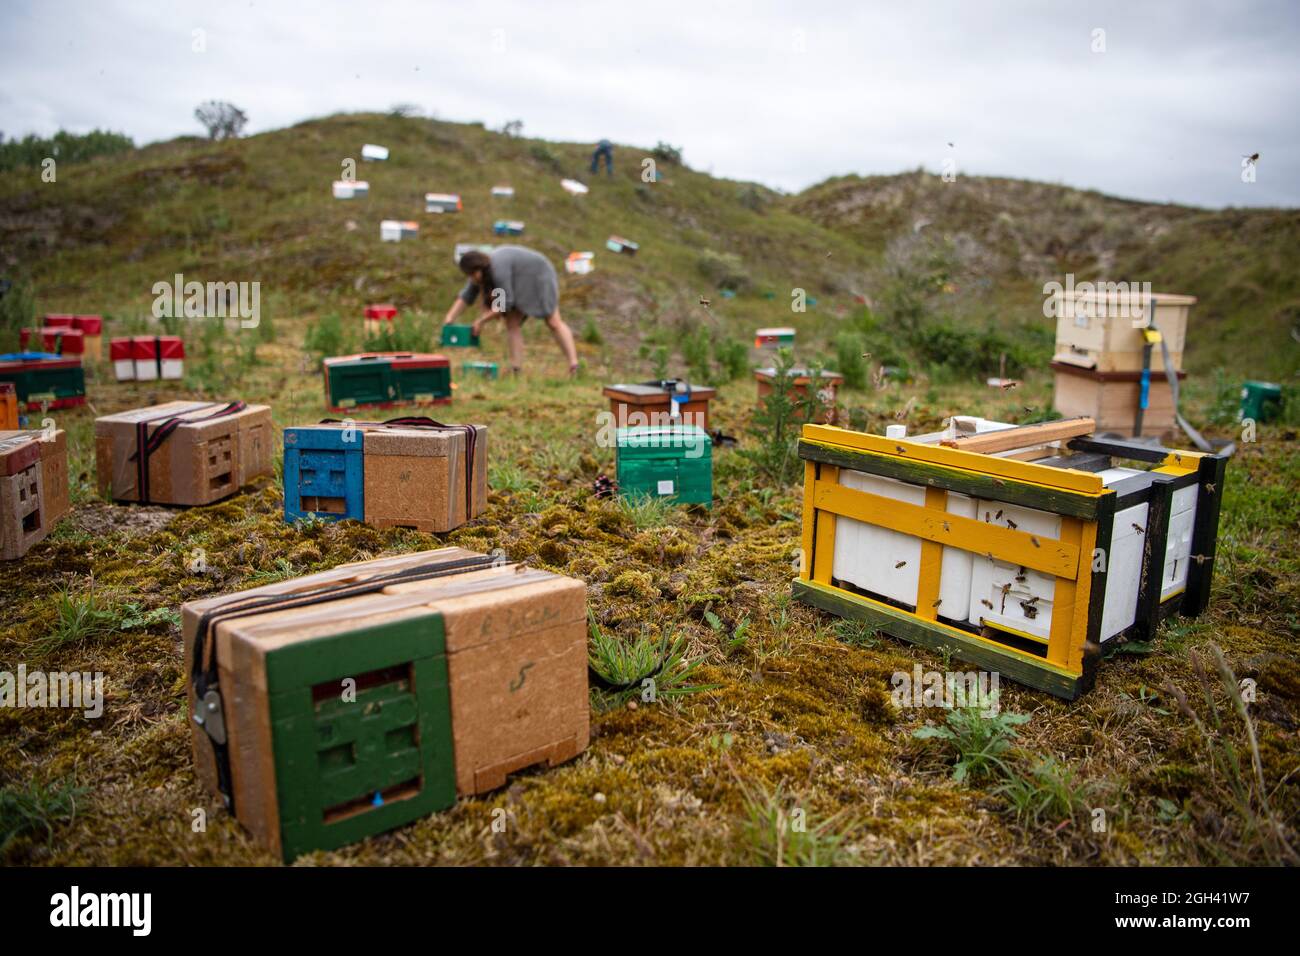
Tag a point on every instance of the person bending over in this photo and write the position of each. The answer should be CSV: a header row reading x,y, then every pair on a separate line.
x,y
514,283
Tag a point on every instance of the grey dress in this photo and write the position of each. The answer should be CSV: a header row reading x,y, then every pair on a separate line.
x,y
527,278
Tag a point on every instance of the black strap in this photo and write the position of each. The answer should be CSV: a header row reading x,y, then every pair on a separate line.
x,y
204,678
157,356
423,421
146,444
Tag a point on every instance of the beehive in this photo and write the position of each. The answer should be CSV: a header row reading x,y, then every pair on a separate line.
x,y
53,452
371,695
405,473
622,246
385,379
182,453
441,202
350,189
508,227
1112,398
459,336
42,380
57,341
8,406
801,380
147,358
1103,330
659,403
1025,558
23,520
379,317
666,461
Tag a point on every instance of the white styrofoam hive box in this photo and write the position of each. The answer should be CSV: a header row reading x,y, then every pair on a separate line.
x,y
887,562
1178,543
441,202
580,263
503,192
1004,594
350,188
374,153
395,230
573,186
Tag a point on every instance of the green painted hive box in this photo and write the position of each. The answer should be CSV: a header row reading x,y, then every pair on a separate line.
x,y
666,461
333,707
386,379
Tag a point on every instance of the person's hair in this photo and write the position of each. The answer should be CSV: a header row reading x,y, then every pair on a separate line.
x,y
473,261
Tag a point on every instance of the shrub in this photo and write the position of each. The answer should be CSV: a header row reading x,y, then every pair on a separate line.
x,y
64,147
777,422
666,153
849,361
724,270
326,337
731,357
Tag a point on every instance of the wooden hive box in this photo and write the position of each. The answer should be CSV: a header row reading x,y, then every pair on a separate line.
x,y
1103,330
373,694
1111,399
8,405
666,461
53,447
385,379
826,391
43,380
658,403
182,453
23,520
987,545
406,473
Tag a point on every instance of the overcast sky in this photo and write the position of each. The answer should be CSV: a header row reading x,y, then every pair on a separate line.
x,y
783,93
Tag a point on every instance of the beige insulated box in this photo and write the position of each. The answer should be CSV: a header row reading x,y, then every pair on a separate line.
x,y
1111,399
193,453
1103,330
424,478
22,512
54,470
462,672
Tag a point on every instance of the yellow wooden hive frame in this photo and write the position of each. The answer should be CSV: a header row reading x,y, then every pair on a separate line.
x,y
1067,665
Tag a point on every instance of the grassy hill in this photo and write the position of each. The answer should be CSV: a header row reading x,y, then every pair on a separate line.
x,y
791,709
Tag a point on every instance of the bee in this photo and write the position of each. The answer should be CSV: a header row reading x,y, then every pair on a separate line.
x,y
1138,528
899,565
986,516
1031,612
1034,541
998,516
1008,386
520,568
999,482
1012,525
1253,158
1209,487
937,602
987,603
1021,579
704,302
900,449
946,526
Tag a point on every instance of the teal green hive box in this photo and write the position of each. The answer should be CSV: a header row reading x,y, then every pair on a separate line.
x,y
459,335
1260,401
666,461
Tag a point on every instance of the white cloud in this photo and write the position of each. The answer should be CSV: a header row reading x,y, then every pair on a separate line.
x,y
1182,91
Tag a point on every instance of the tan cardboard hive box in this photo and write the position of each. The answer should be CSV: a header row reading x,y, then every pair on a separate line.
x,y
515,644
424,478
22,513
211,454
1103,330
54,471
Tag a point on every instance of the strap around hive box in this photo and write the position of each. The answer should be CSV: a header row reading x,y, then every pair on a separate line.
x,y
423,421
204,677
146,444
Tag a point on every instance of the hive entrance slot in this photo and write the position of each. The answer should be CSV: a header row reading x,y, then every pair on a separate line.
x,y
324,505
31,522
351,808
